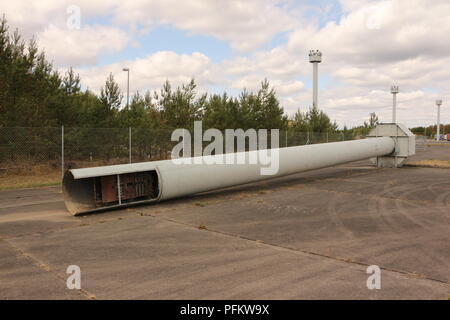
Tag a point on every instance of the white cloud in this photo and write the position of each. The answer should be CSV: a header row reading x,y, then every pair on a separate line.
x,y
374,44
46,20
381,32
151,72
287,88
79,47
35,16
246,25
31,16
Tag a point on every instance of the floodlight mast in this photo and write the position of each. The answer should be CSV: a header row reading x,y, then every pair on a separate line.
x,y
315,57
127,70
394,91
438,133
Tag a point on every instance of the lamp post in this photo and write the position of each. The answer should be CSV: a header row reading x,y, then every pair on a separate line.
x,y
394,91
128,85
438,103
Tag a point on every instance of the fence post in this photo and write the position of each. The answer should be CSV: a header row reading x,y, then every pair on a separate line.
x,y
327,137
286,138
129,141
62,152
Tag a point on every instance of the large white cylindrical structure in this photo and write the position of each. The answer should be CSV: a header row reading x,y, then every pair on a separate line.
x,y
100,188
182,180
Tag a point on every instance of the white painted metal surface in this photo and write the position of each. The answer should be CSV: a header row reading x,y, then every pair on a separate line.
x,y
115,169
182,180
405,144
176,180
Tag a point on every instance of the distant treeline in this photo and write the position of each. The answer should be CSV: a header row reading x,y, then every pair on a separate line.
x,y
431,131
34,94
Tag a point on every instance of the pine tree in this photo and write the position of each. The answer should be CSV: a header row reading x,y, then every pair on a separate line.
x,y
110,99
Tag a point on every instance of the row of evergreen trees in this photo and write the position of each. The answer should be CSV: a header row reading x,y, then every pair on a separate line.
x,y
34,94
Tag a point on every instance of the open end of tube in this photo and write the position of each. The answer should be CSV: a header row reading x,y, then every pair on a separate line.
x,y
99,193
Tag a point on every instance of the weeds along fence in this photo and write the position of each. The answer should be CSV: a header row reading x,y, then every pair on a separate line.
x,y
25,150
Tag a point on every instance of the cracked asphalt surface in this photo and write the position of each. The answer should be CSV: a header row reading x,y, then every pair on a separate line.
x,y
307,236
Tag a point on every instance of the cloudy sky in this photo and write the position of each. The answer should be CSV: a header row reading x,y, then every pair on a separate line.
x,y
231,44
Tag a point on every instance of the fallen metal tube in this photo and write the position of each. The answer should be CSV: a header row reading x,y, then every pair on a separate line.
x,y
100,188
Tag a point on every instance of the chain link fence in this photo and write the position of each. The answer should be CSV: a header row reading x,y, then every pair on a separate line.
x,y
27,150
21,149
